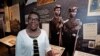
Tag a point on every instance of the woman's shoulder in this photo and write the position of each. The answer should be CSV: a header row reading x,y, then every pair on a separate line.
x,y
43,31
22,31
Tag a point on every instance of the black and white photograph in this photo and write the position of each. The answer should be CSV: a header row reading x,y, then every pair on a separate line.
x,y
91,44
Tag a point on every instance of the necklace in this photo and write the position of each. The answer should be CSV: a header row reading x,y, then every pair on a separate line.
x,y
33,34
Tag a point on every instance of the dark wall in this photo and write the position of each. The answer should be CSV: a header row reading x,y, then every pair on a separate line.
x,y
81,14
65,5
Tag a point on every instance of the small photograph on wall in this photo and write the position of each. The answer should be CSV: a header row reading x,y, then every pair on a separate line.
x,y
91,44
93,7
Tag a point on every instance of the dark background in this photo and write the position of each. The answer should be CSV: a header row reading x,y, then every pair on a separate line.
x,y
81,14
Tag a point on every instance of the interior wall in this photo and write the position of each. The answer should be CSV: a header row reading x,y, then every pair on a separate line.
x,y
81,14
64,3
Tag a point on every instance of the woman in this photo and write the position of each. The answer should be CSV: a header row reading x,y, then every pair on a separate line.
x,y
33,41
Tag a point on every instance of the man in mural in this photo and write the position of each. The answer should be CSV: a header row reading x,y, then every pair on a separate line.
x,y
70,31
56,25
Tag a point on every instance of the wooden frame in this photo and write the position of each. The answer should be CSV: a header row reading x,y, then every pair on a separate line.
x,y
93,8
43,2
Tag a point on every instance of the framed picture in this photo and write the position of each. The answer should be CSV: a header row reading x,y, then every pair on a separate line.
x,y
43,2
91,44
14,18
90,31
93,8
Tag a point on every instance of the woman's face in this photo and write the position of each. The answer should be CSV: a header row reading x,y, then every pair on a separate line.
x,y
33,22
